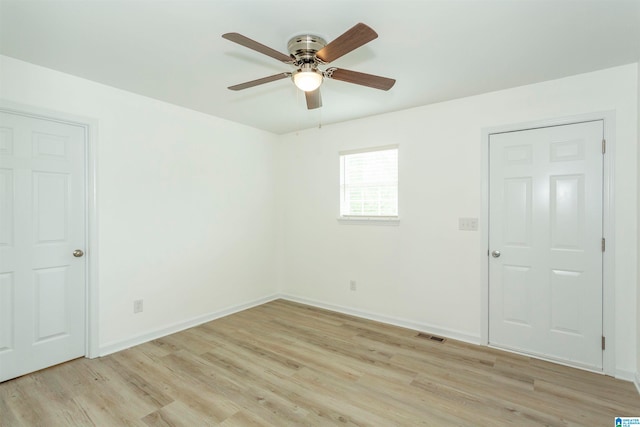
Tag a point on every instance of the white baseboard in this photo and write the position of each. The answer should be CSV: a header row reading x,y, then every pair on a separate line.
x,y
404,323
625,375
180,326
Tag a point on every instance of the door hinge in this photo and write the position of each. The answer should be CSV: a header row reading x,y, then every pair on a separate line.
x,y
604,245
604,146
603,342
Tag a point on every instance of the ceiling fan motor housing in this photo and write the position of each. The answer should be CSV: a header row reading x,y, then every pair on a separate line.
x,y
304,48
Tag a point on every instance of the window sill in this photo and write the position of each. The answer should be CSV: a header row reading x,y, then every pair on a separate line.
x,y
369,220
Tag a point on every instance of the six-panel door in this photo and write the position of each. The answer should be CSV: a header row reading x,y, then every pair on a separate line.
x,y
42,221
545,203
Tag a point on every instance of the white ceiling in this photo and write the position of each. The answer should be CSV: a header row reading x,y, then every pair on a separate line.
x,y
436,50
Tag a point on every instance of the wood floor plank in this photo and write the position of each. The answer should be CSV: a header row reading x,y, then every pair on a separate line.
x,y
201,401
288,364
244,419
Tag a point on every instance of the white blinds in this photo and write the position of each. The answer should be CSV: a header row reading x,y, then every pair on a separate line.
x,y
369,183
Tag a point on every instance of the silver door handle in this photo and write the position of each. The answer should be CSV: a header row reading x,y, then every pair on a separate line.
x,y
78,253
495,254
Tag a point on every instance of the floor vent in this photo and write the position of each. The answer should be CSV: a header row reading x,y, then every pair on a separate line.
x,y
431,337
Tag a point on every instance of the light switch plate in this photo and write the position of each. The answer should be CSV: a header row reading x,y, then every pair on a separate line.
x,y
468,224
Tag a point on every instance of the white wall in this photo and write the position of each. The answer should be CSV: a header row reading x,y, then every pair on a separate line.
x,y
425,272
186,203
188,220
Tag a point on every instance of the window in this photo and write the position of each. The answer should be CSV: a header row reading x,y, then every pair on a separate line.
x,y
369,183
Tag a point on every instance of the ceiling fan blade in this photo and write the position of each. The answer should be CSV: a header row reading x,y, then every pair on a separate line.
x,y
257,82
258,47
353,38
313,99
377,82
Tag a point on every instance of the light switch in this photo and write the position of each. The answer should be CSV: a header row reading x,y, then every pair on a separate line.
x,y
468,224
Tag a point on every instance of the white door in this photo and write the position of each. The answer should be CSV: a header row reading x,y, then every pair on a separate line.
x,y
42,222
545,239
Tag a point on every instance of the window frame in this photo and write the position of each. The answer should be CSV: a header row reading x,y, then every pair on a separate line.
x,y
368,219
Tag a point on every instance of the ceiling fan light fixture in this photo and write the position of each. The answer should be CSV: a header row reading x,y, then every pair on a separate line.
x,y
307,80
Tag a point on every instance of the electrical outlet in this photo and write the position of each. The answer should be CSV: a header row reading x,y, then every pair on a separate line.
x,y
468,224
352,285
137,306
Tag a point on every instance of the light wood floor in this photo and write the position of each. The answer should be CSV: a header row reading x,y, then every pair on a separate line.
x,y
286,364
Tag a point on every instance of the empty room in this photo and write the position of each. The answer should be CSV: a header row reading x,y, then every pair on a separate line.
x,y
296,213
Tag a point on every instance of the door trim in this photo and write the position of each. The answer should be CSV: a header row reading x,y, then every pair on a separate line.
x,y
608,273
90,127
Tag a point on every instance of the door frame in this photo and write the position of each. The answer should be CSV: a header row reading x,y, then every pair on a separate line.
x,y
90,127
608,223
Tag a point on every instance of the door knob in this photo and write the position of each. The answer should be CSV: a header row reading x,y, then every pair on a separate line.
x,y
78,253
495,254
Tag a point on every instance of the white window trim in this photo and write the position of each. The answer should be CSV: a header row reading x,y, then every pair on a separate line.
x,y
369,149
372,220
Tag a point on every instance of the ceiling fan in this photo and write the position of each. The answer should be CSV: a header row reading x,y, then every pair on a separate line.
x,y
306,53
